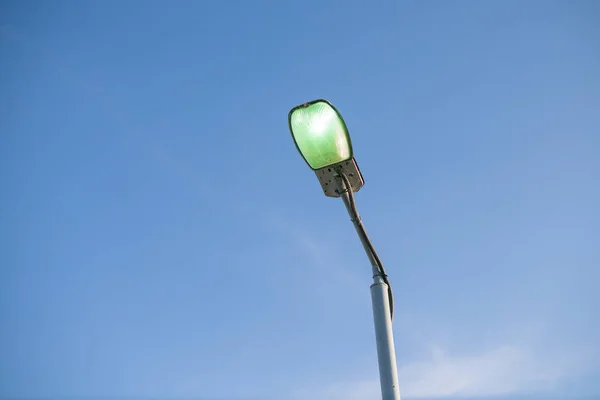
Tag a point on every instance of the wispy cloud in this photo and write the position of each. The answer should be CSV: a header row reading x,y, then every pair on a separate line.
x,y
502,370
498,371
320,251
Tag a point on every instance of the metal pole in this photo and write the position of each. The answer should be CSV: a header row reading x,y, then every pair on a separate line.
x,y
386,353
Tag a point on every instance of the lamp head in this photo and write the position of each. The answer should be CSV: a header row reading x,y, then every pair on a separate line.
x,y
320,134
322,138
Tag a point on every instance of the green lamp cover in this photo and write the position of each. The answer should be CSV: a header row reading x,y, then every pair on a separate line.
x,y
320,134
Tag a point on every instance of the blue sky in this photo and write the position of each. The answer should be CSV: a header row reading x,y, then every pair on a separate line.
x,y
161,237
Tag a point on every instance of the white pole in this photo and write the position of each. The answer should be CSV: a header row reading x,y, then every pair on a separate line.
x,y
380,297
384,335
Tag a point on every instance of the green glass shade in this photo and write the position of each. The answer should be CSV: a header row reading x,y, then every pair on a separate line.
x,y
320,134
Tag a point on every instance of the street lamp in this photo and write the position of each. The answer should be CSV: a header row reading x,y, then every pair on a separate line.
x,y
321,136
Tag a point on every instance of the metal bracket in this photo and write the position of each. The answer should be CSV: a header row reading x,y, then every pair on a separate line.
x,y
328,175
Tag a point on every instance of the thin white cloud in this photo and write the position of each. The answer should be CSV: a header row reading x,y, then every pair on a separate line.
x,y
499,371
357,390
320,251
503,370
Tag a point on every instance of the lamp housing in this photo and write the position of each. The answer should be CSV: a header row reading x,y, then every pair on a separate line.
x,y
320,134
